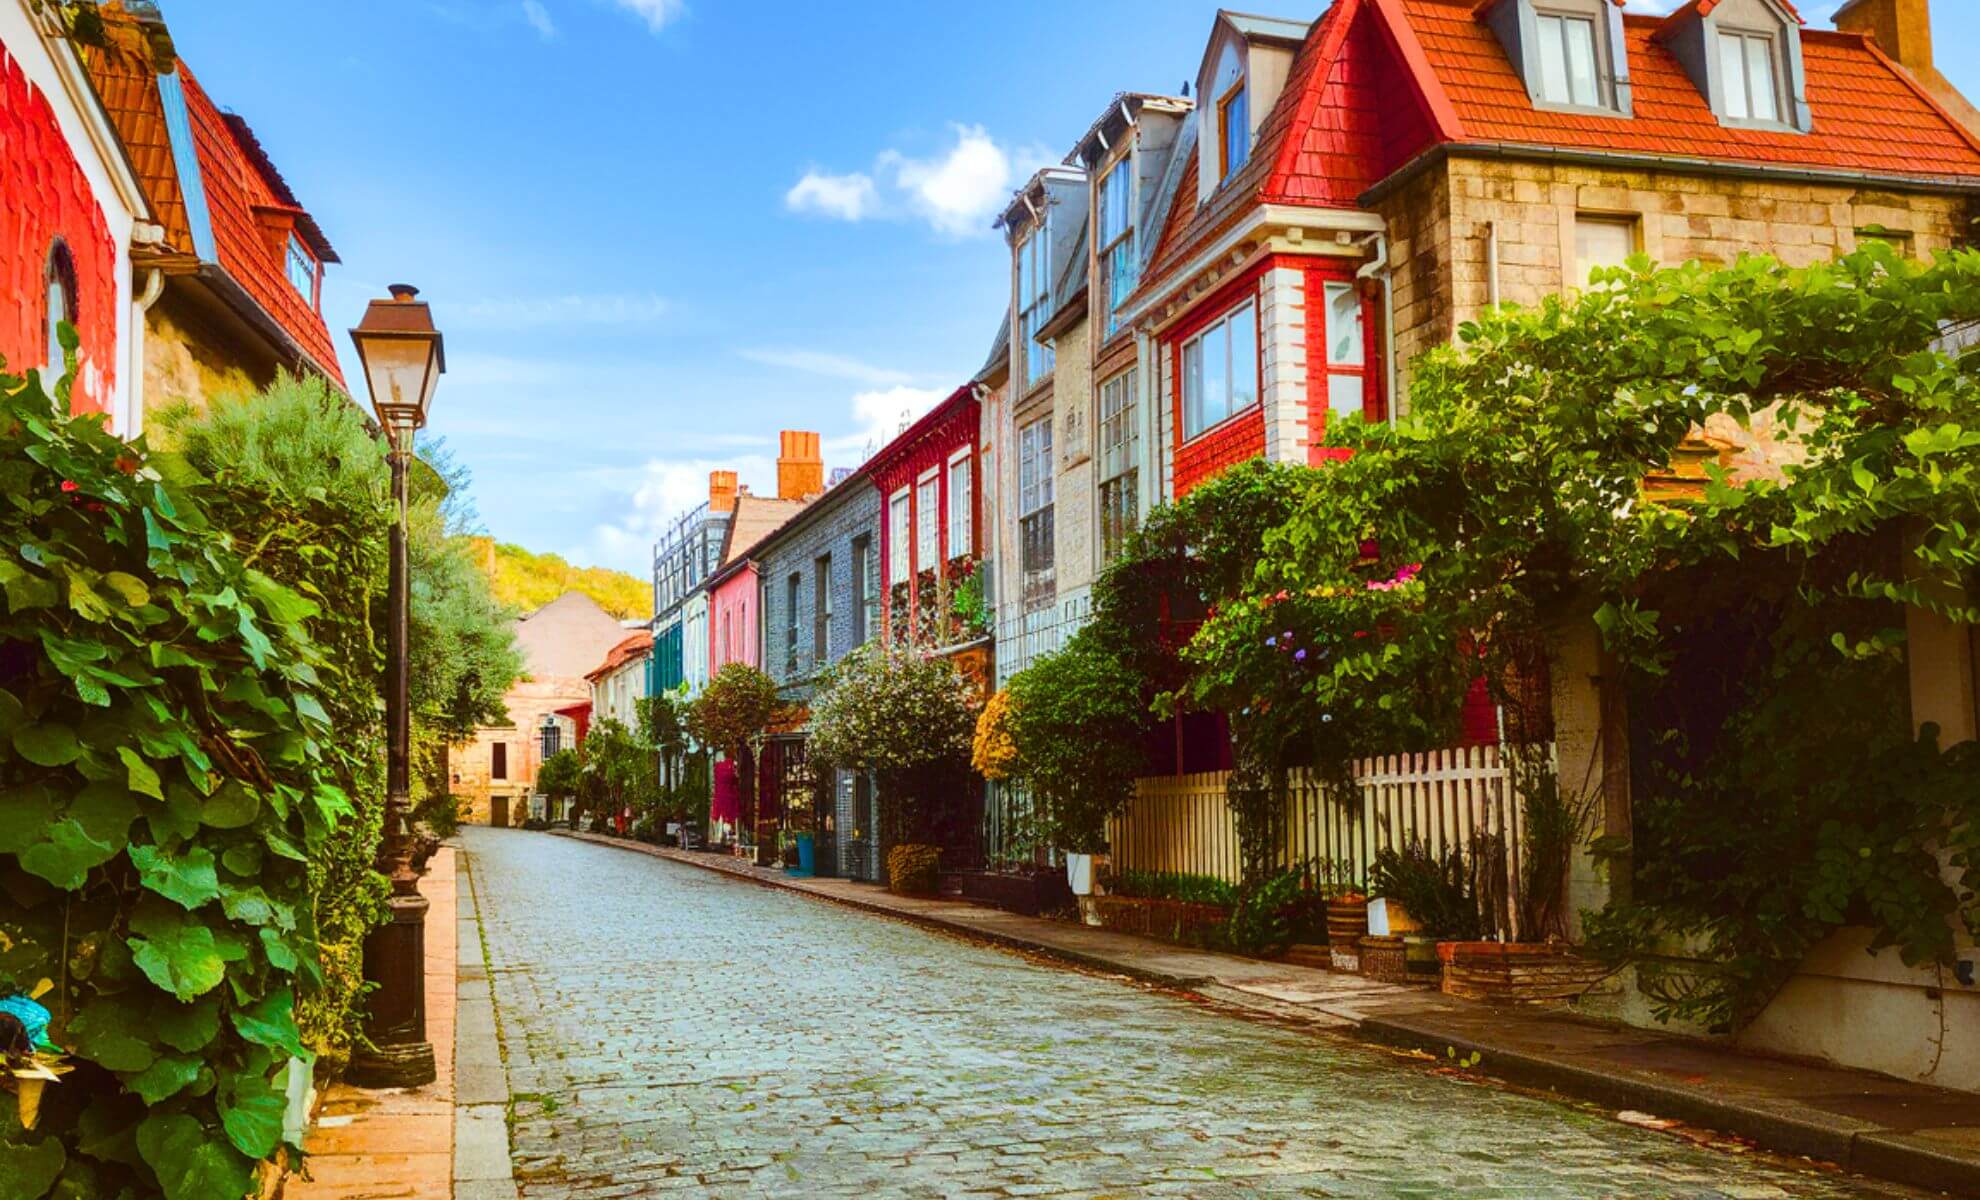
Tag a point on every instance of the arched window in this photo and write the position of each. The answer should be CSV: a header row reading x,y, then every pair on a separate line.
x,y
61,292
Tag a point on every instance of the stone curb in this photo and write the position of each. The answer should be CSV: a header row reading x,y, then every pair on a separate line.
x,y
1863,1147
482,1167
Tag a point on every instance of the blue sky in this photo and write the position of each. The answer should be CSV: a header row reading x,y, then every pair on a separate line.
x,y
655,232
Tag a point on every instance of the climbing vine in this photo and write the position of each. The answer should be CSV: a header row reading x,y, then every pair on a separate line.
x,y
165,775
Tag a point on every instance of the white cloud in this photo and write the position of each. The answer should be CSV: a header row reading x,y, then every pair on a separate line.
x,y
832,366
656,13
535,312
655,497
956,191
880,414
539,19
846,197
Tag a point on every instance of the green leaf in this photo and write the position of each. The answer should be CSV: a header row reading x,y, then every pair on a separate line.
x,y
129,588
26,810
179,819
190,1163
47,744
140,775
109,1031
12,715
66,854
167,1077
251,1110
244,860
174,951
232,807
252,905
281,955
187,878
271,1021
28,1170
25,589
105,811
188,1027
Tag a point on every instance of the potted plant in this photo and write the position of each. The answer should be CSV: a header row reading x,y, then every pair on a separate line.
x,y
1347,923
1435,894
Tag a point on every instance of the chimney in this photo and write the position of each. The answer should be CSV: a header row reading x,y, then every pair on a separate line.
x,y
721,491
1903,30
800,466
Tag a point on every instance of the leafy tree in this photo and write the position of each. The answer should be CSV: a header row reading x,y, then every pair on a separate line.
x,y
906,717
730,714
557,775
663,726
168,772
1076,722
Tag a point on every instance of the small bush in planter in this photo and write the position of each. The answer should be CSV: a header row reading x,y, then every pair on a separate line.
x,y
1435,892
1271,916
912,869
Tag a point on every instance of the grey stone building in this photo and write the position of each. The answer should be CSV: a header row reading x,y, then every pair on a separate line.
x,y
820,575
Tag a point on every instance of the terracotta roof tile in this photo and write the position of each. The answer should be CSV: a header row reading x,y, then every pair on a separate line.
x,y
235,187
1867,115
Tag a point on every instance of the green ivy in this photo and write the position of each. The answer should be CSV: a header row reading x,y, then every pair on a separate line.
x,y
164,778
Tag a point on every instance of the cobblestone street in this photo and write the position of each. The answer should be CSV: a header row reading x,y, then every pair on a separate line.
x,y
670,1030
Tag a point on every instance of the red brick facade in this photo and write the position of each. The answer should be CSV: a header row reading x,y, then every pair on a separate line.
x,y
47,199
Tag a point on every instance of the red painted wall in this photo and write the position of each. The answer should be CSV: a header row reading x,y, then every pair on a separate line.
x,y
929,443
1231,441
44,195
732,610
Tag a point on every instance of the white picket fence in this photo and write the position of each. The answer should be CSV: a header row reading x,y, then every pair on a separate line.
x,y
1444,798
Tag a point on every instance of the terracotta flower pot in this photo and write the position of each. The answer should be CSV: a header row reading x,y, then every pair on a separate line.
x,y
1347,923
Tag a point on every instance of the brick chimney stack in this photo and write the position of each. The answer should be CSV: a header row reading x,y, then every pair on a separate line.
x,y
721,491
800,465
1903,30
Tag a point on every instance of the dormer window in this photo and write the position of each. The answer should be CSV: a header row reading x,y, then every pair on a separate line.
x,y
1744,56
1569,53
1746,67
1118,262
1233,130
301,269
1568,72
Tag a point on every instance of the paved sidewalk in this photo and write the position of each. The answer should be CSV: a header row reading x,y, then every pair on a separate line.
x,y
397,1143
1909,1133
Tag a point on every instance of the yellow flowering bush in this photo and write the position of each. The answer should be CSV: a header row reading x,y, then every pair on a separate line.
x,y
993,753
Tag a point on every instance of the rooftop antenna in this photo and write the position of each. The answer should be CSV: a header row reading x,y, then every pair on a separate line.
x,y
1185,89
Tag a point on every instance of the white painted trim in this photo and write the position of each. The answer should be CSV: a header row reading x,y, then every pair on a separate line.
x,y
1264,217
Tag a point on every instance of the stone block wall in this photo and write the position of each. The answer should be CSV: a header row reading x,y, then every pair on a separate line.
x,y
1440,221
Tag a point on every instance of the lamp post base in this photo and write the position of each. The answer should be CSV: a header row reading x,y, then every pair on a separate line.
x,y
395,959
403,1066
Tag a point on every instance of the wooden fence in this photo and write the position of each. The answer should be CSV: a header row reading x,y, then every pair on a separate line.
x,y
1444,798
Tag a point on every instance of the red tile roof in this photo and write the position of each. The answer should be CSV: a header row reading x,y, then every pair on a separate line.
x,y
1378,81
237,174
621,654
1869,116
235,187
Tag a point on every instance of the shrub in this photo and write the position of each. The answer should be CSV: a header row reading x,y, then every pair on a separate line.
x,y
442,815
170,770
913,870
1076,719
1176,885
1435,892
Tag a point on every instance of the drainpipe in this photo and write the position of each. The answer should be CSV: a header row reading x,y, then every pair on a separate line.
x,y
154,287
1380,266
1492,263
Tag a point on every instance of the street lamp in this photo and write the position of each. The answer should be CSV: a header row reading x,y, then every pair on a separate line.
x,y
403,359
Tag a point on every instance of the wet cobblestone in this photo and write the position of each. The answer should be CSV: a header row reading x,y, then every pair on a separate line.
x,y
671,1032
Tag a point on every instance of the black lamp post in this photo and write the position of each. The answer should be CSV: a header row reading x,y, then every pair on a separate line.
x,y
403,360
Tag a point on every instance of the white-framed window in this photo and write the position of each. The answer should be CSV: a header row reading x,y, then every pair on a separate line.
x,y
928,519
301,269
792,585
1233,130
1035,300
1347,356
1746,69
898,532
1220,370
821,610
1601,241
1035,506
1119,265
1568,72
1120,461
961,504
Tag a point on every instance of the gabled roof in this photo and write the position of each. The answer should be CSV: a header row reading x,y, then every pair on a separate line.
x,y
756,517
633,648
206,177
1870,117
999,358
1379,81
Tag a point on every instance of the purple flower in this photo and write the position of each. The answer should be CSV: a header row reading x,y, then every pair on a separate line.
x,y
1300,657
1271,641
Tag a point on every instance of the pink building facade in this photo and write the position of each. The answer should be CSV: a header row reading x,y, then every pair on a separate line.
x,y
733,609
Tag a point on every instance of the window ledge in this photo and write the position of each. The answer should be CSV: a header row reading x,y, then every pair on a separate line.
x,y
1583,110
1207,430
1758,126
